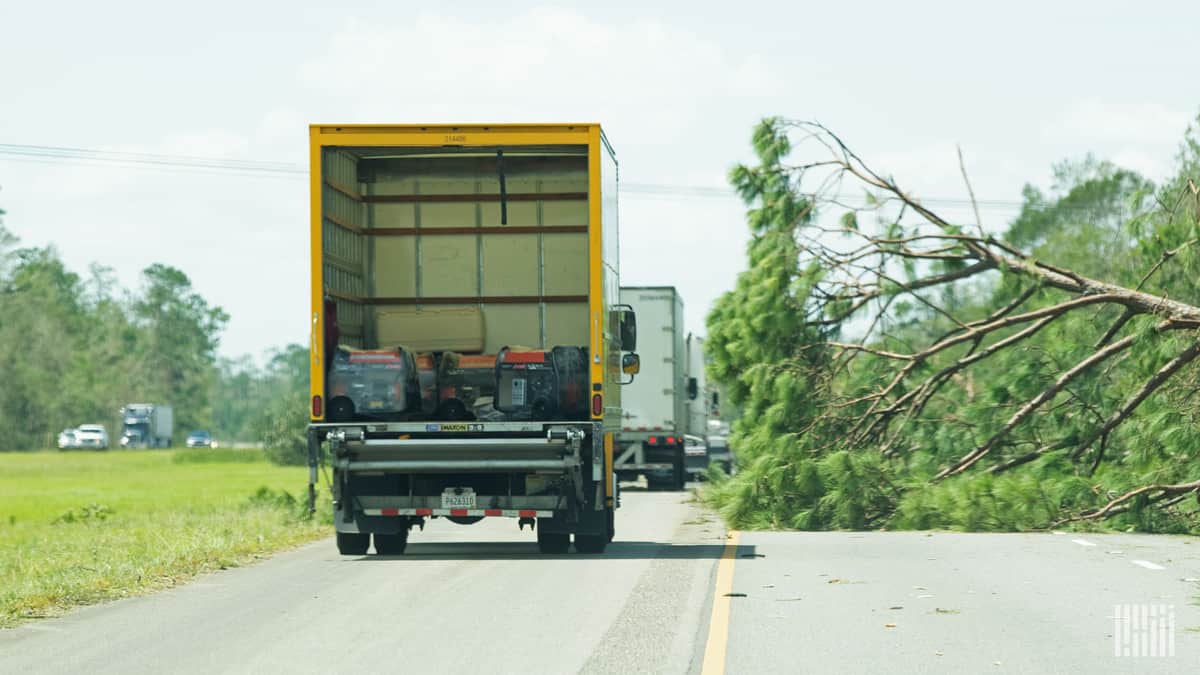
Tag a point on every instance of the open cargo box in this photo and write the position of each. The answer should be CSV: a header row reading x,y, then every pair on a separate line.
x,y
457,250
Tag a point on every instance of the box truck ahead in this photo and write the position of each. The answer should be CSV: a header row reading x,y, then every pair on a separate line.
x,y
468,342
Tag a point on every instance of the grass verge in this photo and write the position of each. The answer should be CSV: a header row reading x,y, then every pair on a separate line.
x,y
80,528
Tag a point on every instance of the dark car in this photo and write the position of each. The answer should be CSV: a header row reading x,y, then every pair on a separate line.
x,y
201,439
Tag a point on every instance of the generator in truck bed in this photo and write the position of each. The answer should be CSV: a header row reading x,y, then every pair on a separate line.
x,y
435,249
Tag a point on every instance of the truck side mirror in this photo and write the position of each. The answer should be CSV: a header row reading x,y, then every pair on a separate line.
x,y
631,364
693,388
628,321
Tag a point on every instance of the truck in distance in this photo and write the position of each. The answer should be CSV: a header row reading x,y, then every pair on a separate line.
x,y
146,425
664,422
468,345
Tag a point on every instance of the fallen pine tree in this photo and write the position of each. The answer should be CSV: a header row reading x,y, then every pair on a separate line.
x,y
897,368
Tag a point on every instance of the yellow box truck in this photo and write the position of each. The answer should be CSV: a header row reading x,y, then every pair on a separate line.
x,y
468,341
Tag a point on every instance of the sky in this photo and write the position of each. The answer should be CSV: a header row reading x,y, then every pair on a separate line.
x,y
678,87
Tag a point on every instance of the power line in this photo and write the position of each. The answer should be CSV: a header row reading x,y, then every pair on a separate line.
x,y
93,157
72,155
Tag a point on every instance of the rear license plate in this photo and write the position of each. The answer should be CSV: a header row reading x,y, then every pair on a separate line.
x,y
465,500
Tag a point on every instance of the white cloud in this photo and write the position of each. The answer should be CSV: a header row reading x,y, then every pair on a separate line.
x,y
1139,136
543,64
208,143
1122,122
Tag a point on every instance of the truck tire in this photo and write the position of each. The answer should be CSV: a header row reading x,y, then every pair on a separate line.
x,y
591,543
353,543
391,544
553,542
679,473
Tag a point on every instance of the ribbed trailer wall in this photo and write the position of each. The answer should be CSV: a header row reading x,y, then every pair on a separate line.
x,y
344,247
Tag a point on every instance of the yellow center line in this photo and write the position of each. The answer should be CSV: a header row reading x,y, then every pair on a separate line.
x,y
718,624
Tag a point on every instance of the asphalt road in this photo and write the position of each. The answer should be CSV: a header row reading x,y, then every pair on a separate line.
x,y
914,602
481,598
476,598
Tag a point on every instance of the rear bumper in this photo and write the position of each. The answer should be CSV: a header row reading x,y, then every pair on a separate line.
x,y
392,476
461,513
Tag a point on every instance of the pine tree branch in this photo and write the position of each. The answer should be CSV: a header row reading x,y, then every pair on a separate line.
x,y
1124,503
1116,327
962,165
1157,380
1033,404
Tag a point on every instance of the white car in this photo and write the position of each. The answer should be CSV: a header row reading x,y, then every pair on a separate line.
x,y
67,440
91,436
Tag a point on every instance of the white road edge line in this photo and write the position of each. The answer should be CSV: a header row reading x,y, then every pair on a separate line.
x,y
1083,542
1147,564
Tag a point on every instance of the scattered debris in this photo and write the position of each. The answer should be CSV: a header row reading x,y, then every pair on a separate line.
x,y
752,555
896,607
735,595
889,625
924,595
788,599
835,580
919,588
938,653
768,585
943,610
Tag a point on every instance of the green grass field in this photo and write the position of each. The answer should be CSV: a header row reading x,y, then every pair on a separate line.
x,y
82,527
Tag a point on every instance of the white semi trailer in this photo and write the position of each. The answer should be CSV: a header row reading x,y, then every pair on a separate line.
x,y
696,446
664,420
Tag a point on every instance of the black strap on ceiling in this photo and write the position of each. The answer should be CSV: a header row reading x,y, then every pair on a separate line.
x,y
503,188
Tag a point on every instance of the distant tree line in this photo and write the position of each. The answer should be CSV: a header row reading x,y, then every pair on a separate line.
x,y
75,348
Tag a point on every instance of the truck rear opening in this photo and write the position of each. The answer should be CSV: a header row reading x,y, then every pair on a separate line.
x,y
466,360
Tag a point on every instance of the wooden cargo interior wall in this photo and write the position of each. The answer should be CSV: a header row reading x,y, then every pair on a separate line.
x,y
421,249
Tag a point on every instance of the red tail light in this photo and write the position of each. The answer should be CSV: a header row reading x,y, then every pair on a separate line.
x,y
317,408
670,440
654,440
597,405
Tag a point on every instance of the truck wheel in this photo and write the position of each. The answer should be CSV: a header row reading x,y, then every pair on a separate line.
x,y
353,543
391,544
679,479
591,543
553,542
